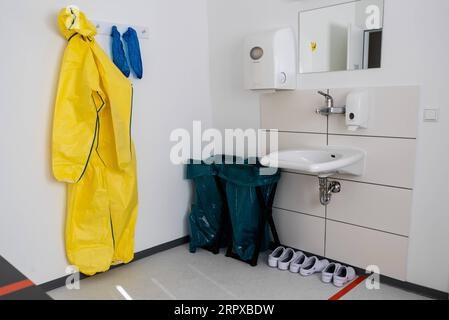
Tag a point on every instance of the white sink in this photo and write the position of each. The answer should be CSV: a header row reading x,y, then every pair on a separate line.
x,y
324,162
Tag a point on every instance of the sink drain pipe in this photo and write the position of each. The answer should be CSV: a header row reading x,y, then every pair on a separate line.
x,y
327,188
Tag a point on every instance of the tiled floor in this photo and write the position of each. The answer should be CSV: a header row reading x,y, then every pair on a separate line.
x,y
178,274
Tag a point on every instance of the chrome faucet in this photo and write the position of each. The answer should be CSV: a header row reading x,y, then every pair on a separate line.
x,y
329,108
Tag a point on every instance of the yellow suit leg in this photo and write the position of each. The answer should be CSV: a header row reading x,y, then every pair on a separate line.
x,y
89,241
123,198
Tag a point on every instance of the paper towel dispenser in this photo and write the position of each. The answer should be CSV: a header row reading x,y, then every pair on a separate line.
x,y
270,60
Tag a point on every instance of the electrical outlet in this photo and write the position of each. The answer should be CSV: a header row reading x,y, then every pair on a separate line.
x,y
431,115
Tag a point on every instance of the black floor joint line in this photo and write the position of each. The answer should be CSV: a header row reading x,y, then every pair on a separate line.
x,y
60,282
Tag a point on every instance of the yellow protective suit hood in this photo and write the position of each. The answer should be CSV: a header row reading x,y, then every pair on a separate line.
x,y
72,21
92,150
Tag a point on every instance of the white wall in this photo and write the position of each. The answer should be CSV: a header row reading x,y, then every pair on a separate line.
x,y
174,91
415,53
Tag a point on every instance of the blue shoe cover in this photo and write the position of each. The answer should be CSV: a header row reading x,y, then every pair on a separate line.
x,y
135,57
118,53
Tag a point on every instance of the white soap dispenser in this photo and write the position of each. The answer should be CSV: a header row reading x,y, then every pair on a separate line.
x,y
358,106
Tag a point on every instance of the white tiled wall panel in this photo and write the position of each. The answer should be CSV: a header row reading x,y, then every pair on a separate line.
x,y
289,140
363,247
295,140
389,161
293,111
372,206
368,222
300,231
299,193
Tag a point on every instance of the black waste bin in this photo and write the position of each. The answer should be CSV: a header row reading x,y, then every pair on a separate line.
x,y
233,201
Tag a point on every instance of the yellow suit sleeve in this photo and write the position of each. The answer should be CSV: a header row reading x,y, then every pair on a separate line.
x,y
75,122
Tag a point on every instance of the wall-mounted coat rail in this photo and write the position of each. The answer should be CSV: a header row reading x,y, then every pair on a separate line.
x,y
105,28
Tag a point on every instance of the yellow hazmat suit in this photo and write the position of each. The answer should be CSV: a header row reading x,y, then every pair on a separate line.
x,y
92,150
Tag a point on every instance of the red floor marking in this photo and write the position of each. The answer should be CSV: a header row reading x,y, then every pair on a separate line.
x,y
348,288
15,287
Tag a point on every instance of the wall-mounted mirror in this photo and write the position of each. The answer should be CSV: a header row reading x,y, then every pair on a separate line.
x,y
346,36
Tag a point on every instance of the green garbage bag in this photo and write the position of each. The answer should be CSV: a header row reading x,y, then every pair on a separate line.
x,y
206,216
244,206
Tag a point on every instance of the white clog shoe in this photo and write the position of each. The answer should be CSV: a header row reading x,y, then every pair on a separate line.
x,y
274,257
344,276
329,272
285,260
313,265
298,262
